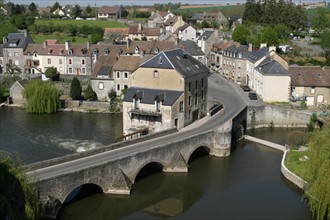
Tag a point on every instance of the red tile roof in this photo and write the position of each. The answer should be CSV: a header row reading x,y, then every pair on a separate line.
x,y
310,76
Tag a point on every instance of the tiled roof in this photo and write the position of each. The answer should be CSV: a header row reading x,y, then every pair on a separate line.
x,y
271,67
108,10
234,51
148,96
257,54
104,71
150,47
181,28
310,76
179,60
50,42
19,39
190,47
128,63
206,35
80,50
123,31
219,47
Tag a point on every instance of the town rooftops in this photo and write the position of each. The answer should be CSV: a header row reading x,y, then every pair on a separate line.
x,y
109,10
149,96
123,31
104,71
190,47
17,40
128,63
206,35
310,76
237,52
179,60
271,67
256,55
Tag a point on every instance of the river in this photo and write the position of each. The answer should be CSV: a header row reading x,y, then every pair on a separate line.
x,y
246,185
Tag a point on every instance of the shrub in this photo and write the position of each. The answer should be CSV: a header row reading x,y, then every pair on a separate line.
x,y
75,89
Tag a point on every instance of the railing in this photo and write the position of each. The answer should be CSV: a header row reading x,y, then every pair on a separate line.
x,y
139,111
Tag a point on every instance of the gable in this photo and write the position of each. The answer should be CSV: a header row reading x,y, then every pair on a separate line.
x,y
158,61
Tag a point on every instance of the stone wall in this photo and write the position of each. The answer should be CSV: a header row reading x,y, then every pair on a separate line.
x,y
302,184
86,106
265,116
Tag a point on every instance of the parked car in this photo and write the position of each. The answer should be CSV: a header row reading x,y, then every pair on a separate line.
x,y
298,98
253,96
245,88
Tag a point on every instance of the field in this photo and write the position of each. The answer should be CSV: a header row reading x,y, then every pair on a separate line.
x,y
61,37
79,23
295,165
227,10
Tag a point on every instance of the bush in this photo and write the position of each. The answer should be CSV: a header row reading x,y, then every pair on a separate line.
x,y
52,74
75,89
89,93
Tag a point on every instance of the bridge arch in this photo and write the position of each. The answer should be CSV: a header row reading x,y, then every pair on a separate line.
x,y
150,166
74,194
204,149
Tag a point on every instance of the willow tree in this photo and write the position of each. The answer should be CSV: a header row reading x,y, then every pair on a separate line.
x,y
41,97
318,191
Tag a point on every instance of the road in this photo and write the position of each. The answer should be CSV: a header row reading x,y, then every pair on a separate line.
x,y
220,91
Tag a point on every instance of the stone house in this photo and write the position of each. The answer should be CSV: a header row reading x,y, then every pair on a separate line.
x,y
173,23
207,39
312,82
108,12
186,32
216,17
191,47
138,32
17,90
215,57
272,81
103,83
173,70
12,50
234,63
119,32
254,58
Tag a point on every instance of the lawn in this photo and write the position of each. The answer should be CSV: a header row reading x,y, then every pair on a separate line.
x,y
295,165
61,37
79,23
227,10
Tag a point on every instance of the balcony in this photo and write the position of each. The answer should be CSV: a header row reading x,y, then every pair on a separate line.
x,y
149,112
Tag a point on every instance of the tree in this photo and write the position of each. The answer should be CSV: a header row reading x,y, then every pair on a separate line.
x,y
269,36
89,93
320,20
325,42
52,74
19,197
241,34
96,37
282,31
318,178
75,89
88,11
33,9
76,11
55,6
41,97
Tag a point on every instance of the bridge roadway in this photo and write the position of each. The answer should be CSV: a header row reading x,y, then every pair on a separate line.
x,y
220,91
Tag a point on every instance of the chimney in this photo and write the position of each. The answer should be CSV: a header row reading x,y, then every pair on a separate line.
x,y
128,43
272,48
263,45
44,44
25,32
4,40
67,45
250,47
141,53
140,26
88,45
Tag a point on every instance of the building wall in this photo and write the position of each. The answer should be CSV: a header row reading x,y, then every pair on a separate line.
x,y
187,34
234,69
102,86
317,93
16,92
276,88
77,67
167,79
15,55
122,81
55,61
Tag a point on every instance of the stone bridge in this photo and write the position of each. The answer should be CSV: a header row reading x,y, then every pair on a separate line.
x,y
116,173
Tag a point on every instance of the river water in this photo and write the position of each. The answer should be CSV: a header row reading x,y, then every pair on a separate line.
x,y
246,185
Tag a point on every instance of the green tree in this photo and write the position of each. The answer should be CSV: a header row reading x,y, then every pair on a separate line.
x,y
96,37
18,196
76,11
52,74
318,169
320,20
41,97
269,36
55,6
282,31
88,11
19,21
75,89
6,28
33,9
90,95
325,42
241,34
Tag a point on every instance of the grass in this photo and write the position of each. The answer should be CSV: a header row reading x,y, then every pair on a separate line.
x,y
79,23
298,167
227,10
61,37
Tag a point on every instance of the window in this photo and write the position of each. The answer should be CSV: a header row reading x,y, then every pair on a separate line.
x,y
82,61
181,106
16,62
118,75
156,74
1,62
10,54
189,87
70,70
158,104
125,86
118,87
126,75
70,61
320,98
202,95
189,113
60,61
202,83
313,90
136,103
189,100
16,54
196,98
49,61
101,86
83,70
196,84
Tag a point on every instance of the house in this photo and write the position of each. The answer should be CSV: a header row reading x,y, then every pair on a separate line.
x,y
102,84
207,39
312,82
115,35
109,12
254,58
272,81
173,23
138,32
186,32
234,63
172,70
216,17
12,51
158,18
215,56
17,91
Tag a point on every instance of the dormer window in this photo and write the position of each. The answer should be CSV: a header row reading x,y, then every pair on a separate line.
x,y
70,51
83,62
156,74
137,49
156,50
106,51
158,101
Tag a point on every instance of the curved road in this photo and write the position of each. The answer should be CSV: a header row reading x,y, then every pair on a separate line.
x,y
220,91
